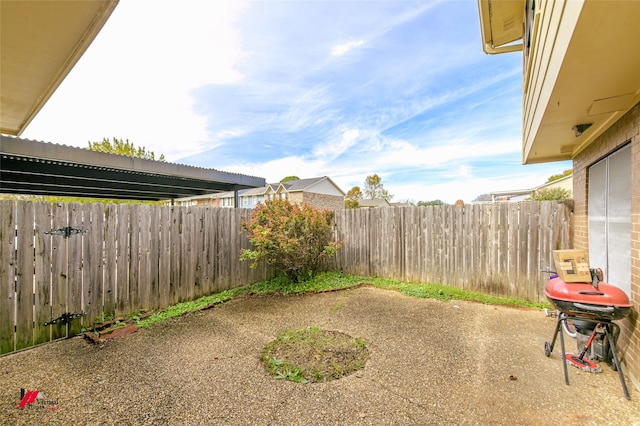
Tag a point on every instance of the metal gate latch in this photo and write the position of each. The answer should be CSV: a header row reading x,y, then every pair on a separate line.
x,y
66,232
65,318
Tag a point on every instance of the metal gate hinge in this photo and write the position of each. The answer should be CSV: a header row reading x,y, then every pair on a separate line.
x,y
66,232
65,318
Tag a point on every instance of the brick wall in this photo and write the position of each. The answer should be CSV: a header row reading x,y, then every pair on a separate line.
x,y
295,197
626,129
323,201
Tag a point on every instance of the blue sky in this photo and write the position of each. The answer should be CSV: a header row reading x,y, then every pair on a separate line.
x,y
309,88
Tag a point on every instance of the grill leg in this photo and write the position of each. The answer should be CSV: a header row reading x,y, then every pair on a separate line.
x,y
564,355
612,345
549,346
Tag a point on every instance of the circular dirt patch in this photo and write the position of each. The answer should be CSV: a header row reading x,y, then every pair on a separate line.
x,y
314,355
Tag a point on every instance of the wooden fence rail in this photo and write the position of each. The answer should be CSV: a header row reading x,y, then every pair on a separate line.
x,y
108,260
492,248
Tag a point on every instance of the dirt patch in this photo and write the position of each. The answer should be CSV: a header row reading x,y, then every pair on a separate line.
x,y
314,355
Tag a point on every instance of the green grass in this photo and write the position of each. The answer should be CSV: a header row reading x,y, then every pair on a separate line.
x,y
192,306
283,370
321,282
314,355
332,281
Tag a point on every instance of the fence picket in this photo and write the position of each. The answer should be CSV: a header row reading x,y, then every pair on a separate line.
x,y
42,284
59,268
7,275
153,291
144,269
134,258
164,258
74,267
93,283
122,262
24,276
110,259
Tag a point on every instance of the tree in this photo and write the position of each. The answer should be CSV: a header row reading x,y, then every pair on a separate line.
x,y
351,201
432,203
292,238
373,188
560,176
288,178
547,194
126,148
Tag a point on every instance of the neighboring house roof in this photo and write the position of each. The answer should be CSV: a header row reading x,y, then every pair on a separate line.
x,y
307,185
225,194
254,191
322,185
581,68
565,182
376,202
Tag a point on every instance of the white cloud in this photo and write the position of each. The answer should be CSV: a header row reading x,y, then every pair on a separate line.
x,y
136,79
348,137
277,169
343,48
403,153
308,107
230,133
463,171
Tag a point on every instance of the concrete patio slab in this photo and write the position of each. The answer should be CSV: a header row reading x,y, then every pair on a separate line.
x,y
431,362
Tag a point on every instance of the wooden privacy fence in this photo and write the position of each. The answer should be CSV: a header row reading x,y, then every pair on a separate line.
x,y
103,261
492,248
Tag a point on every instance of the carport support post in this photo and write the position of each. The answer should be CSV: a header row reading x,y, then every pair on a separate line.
x,y
236,201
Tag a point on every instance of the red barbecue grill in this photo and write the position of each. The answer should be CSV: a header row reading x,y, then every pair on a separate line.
x,y
593,307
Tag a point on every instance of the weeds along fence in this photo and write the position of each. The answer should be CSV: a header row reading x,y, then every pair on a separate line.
x,y
496,248
107,260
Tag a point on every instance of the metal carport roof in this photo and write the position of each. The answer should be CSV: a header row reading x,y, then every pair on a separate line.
x,y
38,168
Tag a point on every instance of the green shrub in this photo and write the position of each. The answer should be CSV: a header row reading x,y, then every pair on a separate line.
x,y
291,238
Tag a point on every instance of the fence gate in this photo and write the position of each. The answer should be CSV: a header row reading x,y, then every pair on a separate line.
x,y
41,272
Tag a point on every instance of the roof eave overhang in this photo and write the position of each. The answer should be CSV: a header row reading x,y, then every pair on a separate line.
x,y
588,80
501,25
38,52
